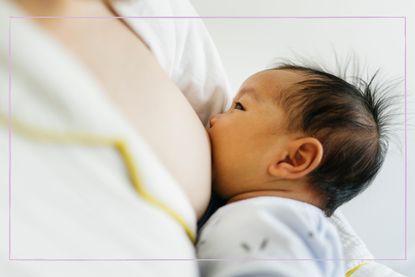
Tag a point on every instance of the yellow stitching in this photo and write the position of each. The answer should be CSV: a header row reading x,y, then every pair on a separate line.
x,y
122,149
354,269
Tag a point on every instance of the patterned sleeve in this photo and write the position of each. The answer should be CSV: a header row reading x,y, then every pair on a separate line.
x,y
268,237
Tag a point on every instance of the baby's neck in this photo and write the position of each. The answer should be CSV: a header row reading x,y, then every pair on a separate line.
x,y
303,196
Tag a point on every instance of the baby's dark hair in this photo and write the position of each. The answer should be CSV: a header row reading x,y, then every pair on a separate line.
x,y
349,121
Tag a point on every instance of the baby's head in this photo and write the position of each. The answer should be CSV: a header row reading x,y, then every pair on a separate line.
x,y
300,133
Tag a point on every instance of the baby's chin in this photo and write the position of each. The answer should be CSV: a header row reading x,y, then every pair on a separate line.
x,y
219,188
219,182
216,185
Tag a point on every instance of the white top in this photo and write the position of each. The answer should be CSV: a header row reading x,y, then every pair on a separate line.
x,y
184,49
73,199
270,228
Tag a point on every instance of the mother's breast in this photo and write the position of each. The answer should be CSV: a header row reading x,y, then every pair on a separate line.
x,y
166,120
142,91
164,117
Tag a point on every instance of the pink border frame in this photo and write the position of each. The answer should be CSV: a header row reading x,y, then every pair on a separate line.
x,y
403,18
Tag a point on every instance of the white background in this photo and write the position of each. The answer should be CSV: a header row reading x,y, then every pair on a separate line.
x,y
250,45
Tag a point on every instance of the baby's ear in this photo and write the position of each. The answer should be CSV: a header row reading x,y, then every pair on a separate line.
x,y
300,158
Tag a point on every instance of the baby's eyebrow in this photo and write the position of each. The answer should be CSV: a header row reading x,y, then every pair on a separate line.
x,y
251,92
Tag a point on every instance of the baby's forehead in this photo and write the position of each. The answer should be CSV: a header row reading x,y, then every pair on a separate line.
x,y
272,82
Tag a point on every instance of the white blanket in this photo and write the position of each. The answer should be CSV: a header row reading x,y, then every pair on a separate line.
x,y
358,259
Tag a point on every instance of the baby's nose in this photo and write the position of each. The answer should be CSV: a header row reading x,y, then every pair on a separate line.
x,y
213,119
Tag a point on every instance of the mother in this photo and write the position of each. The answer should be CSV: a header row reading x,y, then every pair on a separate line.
x,y
133,79
139,87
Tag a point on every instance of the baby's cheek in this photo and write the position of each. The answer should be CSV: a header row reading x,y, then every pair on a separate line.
x,y
217,133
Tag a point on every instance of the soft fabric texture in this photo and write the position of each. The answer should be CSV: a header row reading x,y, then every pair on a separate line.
x,y
355,251
73,198
376,270
184,49
270,228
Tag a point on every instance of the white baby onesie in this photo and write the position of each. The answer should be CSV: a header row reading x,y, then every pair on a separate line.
x,y
269,236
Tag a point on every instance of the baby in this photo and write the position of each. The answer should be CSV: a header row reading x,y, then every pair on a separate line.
x,y
296,144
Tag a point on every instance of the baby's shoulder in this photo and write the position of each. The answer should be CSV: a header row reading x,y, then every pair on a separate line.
x,y
272,227
273,213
